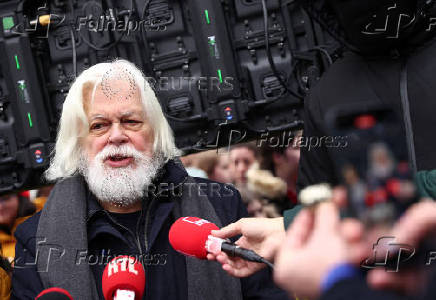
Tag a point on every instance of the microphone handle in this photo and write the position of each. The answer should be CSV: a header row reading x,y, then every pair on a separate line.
x,y
246,254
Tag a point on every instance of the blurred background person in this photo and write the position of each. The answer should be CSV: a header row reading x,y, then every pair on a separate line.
x,y
269,191
242,156
257,206
221,168
14,209
321,254
210,164
366,73
381,163
40,196
356,189
283,162
194,164
336,275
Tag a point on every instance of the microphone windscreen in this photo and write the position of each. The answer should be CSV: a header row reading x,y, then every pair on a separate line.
x,y
188,235
125,273
54,294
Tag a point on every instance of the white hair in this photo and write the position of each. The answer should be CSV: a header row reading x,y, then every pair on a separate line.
x,y
73,124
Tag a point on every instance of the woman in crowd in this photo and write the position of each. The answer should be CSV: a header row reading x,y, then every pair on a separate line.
x,y
14,209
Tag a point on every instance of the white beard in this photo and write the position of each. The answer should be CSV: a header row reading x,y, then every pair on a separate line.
x,y
121,187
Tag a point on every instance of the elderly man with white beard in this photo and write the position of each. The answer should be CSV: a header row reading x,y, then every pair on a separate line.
x,y
119,187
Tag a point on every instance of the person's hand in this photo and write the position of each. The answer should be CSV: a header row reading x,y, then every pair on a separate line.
x,y
314,244
261,235
415,225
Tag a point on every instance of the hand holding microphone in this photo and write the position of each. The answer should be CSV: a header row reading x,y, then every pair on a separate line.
x,y
262,235
192,236
123,279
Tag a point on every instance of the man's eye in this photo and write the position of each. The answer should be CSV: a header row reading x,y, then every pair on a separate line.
x,y
97,126
132,123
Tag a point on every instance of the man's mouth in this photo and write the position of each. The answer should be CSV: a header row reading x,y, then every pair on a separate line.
x,y
117,157
117,161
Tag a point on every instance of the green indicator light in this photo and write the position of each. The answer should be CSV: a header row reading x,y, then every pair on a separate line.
x,y
16,60
206,14
219,75
30,120
8,23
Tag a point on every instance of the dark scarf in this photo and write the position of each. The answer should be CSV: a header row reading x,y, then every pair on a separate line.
x,y
62,226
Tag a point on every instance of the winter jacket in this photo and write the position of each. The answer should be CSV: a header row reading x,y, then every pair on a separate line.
x,y
165,269
5,285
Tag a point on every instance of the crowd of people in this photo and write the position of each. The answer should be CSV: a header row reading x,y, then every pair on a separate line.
x,y
266,176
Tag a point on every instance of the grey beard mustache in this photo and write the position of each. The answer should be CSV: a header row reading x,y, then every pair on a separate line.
x,y
120,187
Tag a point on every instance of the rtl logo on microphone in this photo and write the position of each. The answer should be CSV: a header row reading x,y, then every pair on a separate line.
x,y
195,220
123,278
122,264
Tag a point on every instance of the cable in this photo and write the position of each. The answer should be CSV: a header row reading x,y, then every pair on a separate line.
x,y
146,4
271,100
295,124
73,43
71,5
268,52
190,119
268,263
104,48
323,51
309,7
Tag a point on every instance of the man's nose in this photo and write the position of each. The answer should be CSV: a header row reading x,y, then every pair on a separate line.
x,y
117,135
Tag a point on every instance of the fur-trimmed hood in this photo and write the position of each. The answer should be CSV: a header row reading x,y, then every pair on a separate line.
x,y
262,183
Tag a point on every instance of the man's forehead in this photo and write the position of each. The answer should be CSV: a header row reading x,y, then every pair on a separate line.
x,y
101,105
118,114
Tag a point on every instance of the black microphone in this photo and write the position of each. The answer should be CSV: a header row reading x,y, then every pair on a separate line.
x,y
214,245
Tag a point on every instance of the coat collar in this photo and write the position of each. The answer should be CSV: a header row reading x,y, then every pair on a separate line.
x,y
169,178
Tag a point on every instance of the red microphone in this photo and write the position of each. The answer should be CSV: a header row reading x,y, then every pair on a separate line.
x,y
188,235
54,293
191,236
123,278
